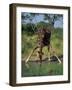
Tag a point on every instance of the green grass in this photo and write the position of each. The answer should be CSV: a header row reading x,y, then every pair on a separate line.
x,y
44,69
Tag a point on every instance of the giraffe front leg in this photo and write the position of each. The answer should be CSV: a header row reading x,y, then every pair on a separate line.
x,y
58,59
31,54
55,55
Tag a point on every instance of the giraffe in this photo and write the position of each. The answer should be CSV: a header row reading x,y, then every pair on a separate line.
x,y
44,39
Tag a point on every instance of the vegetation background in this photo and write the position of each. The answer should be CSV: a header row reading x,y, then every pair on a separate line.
x,y
30,24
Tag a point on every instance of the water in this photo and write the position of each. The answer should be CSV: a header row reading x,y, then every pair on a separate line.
x,y
35,68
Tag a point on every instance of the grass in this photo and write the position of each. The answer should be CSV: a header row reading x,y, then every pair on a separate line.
x,y
44,69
